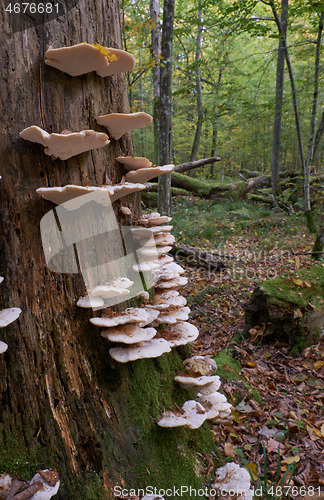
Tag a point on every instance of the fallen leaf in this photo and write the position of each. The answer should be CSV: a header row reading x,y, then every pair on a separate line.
x,y
290,460
243,407
318,365
298,282
229,450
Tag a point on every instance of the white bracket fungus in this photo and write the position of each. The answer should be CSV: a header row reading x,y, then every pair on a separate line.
x,y
118,124
176,282
172,316
9,315
192,415
85,58
179,334
164,239
167,300
150,349
62,194
67,144
196,383
145,174
154,219
128,334
139,315
43,486
134,162
216,405
232,478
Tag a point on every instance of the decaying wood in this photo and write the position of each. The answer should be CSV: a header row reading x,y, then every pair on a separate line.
x,y
195,256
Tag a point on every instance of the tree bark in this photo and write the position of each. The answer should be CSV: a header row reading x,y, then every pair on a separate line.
x,y
200,115
165,118
64,402
215,118
275,162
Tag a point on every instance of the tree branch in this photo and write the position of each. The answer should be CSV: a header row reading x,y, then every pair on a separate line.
x,y
184,167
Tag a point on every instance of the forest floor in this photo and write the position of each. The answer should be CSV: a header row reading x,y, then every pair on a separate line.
x,y
284,407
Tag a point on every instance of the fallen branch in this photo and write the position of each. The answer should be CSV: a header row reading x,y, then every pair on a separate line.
x,y
184,167
196,256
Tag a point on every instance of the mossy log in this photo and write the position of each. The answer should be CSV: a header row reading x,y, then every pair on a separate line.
x,y
208,189
288,309
64,403
197,257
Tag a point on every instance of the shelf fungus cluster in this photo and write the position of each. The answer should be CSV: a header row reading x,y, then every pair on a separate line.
x,y
210,405
7,316
43,486
161,324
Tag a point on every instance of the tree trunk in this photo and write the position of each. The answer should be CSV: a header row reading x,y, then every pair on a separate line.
x,y
64,402
156,54
275,162
200,115
215,119
165,119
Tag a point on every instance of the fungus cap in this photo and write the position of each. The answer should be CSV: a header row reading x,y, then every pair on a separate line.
x,y
50,484
200,365
84,58
165,259
179,334
172,316
128,334
189,382
133,163
176,282
3,348
145,174
9,315
90,302
232,477
118,124
164,239
65,145
154,219
140,315
166,301
149,349
107,291
62,194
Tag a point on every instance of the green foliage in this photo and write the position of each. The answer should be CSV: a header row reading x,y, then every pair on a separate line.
x,y
272,488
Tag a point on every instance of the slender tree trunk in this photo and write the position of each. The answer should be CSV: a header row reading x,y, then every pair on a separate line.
x,y
275,162
156,54
200,115
165,118
64,403
312,141
215,120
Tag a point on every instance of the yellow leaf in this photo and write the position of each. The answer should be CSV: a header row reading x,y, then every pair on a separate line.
x,y
298,313
318,365
322,430
298,282
105,52
290,460
307,284
253,469
314,433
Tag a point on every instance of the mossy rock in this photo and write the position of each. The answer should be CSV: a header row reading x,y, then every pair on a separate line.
x,y
289,309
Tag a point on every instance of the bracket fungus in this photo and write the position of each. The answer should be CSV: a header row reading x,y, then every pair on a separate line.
x,y
84,58
149,349
216,405
62,194
172,316
192,415
190,382
140,315
200,365
145,174
118,124
179,334
176,282
7,316
167,300
134,162
233,480
128,334
164,239
43,486
154,219
67,144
